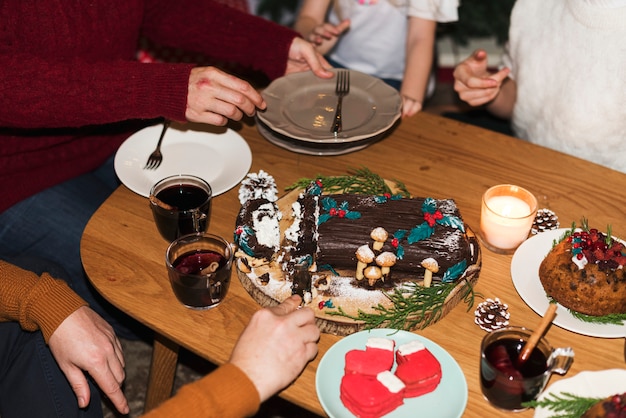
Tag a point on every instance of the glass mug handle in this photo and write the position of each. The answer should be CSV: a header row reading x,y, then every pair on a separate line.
x,y
197,216
561,359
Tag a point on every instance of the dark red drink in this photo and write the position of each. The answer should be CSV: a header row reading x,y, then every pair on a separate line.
x,y
200,279
505,382
186,209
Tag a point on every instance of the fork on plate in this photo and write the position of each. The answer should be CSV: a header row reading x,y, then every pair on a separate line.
x,y
156,158
342,88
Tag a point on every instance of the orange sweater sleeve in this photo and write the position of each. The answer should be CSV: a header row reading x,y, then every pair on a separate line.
x,y
35,302
226,392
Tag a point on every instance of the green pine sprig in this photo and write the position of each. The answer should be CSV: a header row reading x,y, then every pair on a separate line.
x,y
358,181
414,306
566,404
610,319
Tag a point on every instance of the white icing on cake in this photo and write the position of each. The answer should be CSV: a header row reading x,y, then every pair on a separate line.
x,y
381,343
410,348
291,233
265,221
390,381
580,263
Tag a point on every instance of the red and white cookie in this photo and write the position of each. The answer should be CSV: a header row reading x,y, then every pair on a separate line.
x,y
418,368
371,397
378,356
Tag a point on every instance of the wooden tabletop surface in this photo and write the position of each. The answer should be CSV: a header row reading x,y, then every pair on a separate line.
x,y
123,253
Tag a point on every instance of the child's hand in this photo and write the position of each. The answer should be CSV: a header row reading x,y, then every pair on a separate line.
x,y
326,35
473,81
410,106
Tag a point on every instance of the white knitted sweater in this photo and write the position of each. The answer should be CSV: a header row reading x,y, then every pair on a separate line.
x,y
568,58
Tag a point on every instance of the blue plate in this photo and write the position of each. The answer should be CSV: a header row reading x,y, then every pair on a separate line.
x,y
447,401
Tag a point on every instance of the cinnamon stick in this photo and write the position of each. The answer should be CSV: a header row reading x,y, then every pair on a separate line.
x,y
537,334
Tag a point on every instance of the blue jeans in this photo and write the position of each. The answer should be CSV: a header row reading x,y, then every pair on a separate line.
x,y
31,382
49,225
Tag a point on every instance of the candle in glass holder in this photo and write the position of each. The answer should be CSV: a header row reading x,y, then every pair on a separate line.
x,y
507,214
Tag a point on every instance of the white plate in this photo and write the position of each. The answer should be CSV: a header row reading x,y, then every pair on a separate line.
x,y
447,401
220,156
310,148
599,384
525,274
302,106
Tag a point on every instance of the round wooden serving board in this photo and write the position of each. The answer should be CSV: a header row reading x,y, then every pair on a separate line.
x,y
278,289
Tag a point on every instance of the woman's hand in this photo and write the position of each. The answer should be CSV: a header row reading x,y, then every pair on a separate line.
x,y
474,83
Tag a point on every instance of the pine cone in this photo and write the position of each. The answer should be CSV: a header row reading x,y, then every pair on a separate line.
x,y
544,221
491,315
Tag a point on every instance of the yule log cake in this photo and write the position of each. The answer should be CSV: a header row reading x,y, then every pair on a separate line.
x,y
371,258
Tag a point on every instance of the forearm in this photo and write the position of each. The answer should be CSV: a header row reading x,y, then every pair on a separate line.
x,y
38,93
419,58
418,67
502,105
226,393
221,32
35,302
305,25
312,14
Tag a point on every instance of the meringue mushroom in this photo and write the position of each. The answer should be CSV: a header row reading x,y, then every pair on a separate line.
x,y
379,235
386,260
364,255
431,266
372,273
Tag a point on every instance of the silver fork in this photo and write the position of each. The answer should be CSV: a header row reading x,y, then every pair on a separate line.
x,y
156,158
342,88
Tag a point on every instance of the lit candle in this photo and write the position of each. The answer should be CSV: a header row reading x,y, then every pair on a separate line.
x,y
507,215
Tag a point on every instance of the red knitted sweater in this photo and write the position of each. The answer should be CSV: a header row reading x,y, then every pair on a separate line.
x,y
71,84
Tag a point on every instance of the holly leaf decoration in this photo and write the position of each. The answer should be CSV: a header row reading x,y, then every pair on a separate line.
x,y
242,240
420,232
455,271
429,205
328,203
400,234
453,222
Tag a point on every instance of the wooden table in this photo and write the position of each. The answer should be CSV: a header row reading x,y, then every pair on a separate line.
x,y
123,253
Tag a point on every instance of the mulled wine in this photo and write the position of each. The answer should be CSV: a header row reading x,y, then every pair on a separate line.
x,y
181,205
505,382
201,278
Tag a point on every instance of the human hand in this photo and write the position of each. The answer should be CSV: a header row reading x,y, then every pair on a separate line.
x,y
86,342
276,346
474,83
304,57
214,97
410,106
326,35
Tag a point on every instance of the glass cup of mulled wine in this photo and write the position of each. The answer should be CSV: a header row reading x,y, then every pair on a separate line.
x,y
505,381
181,205
199,267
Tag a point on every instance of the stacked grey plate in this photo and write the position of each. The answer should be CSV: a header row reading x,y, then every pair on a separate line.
x,y
301,108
